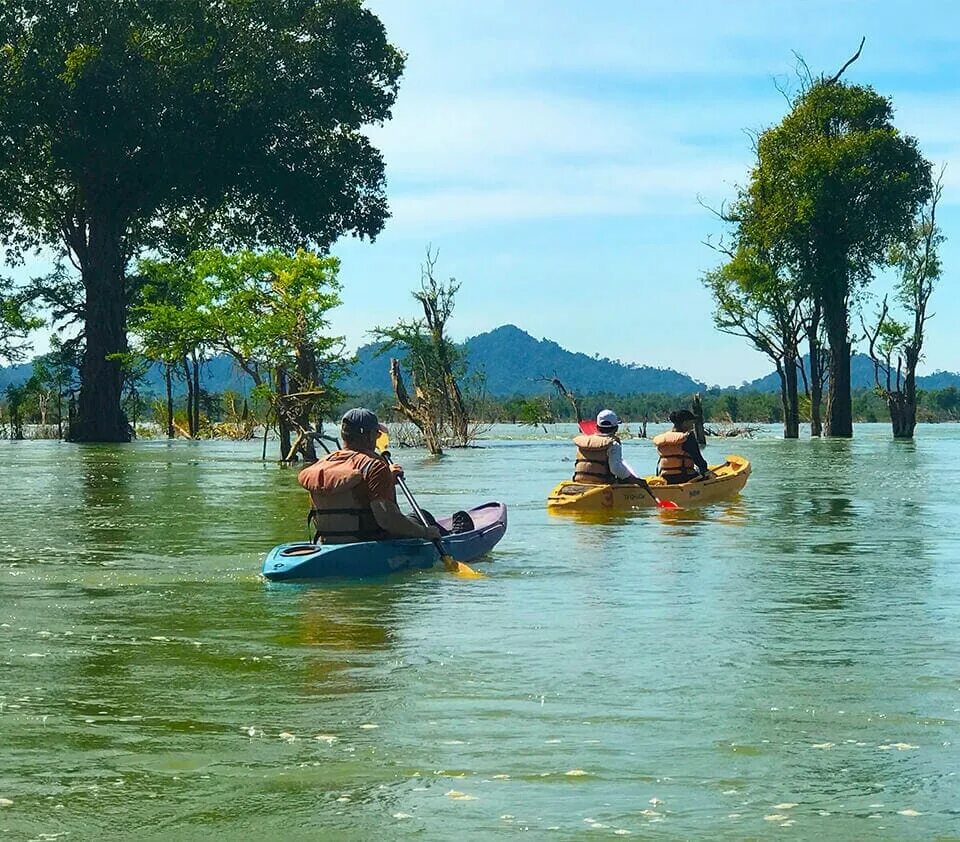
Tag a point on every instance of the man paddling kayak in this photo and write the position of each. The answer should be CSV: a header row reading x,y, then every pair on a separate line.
x,y
352,491
680,457
600,456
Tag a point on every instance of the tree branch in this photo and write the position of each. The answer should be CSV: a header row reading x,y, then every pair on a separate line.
x,y
850,61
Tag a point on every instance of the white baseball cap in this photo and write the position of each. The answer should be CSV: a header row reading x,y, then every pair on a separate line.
x,y
607,418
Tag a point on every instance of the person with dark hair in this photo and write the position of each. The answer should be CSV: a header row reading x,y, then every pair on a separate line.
x,y
352,490
680,456
600,456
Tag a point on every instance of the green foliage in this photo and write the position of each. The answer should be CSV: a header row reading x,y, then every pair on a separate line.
x,y
245,117
152,124
16,323
261,308
836,185
164,317
533,412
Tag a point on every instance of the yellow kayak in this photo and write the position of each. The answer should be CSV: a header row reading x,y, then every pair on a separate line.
x,y
730,478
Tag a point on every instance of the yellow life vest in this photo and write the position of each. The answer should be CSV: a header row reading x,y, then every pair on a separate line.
x,y
674,460
593,464
340,505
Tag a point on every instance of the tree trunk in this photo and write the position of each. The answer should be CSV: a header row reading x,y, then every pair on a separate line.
x,y
16,422
100,417
282,426
459,421
196,392
306,378
816,380
698,420
190,396
168,382
71,414
903,415
788,397
903,405
419,414
839,401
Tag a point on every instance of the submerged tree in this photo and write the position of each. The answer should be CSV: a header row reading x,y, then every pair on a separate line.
x,y
268,312
140,124
918,261
435,365
835,186
841,186
757,302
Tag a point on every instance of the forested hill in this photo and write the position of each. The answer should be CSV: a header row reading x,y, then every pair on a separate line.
x,y
514,363
512,360
861,377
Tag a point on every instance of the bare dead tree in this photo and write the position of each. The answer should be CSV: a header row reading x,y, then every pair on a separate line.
x,y
416,410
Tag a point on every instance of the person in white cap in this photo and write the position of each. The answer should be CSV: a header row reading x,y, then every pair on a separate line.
x,y
352,490
599,456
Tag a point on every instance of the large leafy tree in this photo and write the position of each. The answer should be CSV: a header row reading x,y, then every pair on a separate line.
x,y
836,186
167,124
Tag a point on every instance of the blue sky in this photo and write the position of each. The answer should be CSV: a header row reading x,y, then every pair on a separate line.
x,y
554,153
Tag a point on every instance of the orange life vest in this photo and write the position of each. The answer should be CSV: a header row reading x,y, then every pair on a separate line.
x,y
674,460
340,504
593,464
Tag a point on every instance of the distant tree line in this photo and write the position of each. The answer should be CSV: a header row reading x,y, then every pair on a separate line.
x,y
44,402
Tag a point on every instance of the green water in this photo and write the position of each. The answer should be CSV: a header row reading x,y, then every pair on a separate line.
x,y
667,676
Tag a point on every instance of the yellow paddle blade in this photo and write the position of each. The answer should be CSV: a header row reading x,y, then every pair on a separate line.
x,y
459,568
383,441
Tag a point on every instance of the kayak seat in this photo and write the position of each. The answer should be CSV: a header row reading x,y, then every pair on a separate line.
x,y
300,549
462,522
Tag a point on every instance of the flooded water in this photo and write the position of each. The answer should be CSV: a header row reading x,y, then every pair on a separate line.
x,y
785,665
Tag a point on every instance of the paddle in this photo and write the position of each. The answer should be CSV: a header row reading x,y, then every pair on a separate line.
x,y
449,562
589,428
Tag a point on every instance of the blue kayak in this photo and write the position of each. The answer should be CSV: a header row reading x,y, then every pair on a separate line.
x,y
300,560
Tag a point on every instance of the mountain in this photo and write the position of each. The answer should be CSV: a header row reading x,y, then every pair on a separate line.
x,y
216,375
514,363
861,377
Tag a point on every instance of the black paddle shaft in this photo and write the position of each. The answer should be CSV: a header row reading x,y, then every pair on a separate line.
x,y
435,541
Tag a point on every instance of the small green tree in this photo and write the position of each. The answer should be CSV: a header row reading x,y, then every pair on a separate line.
x,y
169,329
917,260
268,311
754,300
